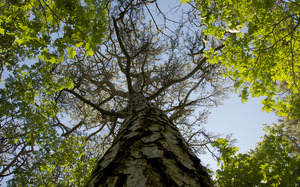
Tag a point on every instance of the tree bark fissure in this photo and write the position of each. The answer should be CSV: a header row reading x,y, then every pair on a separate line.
x,y
148,151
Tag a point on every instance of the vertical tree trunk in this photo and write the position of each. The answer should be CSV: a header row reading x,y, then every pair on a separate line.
x,y
148,151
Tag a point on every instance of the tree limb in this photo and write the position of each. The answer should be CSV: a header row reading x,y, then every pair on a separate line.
x,y
110,113
128,58
169,84
73,129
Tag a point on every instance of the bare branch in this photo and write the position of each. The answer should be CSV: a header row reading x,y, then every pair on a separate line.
x,y
102,126
120,115
73,129
128,58
169,84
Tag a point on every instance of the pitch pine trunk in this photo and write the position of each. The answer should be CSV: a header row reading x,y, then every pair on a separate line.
x,y
148,151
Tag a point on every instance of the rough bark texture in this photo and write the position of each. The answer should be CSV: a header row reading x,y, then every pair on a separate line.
x,y
149,151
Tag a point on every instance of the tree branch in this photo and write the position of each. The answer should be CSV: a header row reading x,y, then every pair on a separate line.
x,y
73,129
102,126
197,68
105,112
128,58
159,91
2,173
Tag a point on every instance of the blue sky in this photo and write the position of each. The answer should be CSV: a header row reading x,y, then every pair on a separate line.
x,y
243,120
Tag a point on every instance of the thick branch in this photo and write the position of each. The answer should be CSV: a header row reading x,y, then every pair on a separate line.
x,y
73,129
102,126
111,86
2,173
120,115
127,69
62,126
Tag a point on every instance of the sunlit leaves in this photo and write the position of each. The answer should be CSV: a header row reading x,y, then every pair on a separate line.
x,y
184,1
71,52
1,31
57,163
89,52
271,163
36,36
261,41
56,25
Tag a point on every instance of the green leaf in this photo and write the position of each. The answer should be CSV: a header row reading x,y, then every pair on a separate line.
x,y
71,52
89,52
2,31
79,44
184,1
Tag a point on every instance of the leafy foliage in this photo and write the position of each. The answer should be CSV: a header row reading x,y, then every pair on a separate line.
x,y
292,131
36,36
60,162
261,40
274,162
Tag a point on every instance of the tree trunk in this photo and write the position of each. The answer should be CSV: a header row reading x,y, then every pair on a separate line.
x,y
148,151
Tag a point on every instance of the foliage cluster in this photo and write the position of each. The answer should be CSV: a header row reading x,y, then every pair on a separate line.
x,y
36,36
274,162
261,54
261,48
